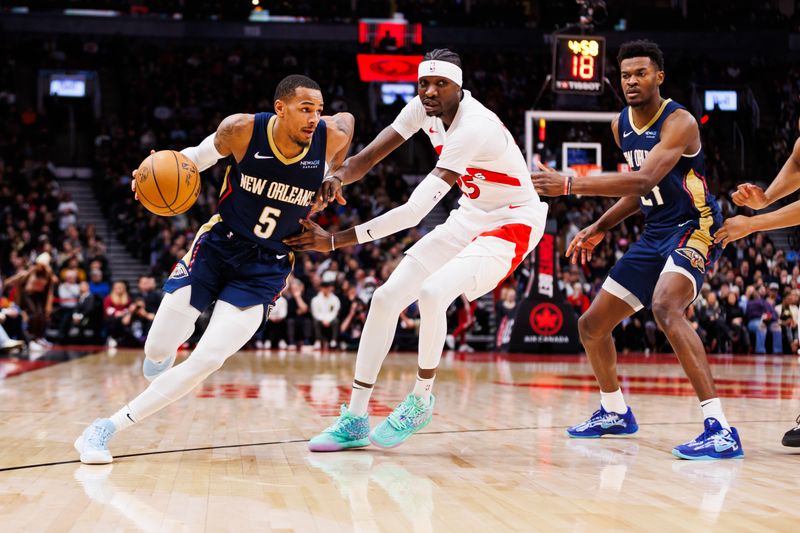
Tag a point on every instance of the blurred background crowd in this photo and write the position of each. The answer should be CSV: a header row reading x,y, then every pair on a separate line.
x,y
59,283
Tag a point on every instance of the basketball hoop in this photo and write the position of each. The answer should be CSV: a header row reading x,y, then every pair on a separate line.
x,y
584,169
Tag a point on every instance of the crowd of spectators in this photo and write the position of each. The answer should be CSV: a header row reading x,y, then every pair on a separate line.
x,y
171,97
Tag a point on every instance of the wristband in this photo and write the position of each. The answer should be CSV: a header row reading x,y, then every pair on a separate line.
x,y
567,185
333,246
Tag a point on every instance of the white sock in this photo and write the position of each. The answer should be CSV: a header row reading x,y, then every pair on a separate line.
x,y
422,388
713,409
123,418
613,402
359,399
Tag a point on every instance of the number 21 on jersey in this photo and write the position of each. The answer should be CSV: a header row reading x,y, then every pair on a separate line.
x,y
659,200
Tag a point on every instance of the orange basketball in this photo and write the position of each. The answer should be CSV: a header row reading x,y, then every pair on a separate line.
x,y
167,183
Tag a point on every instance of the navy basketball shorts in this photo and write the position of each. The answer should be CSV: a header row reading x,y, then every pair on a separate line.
x,y
685,250
222,265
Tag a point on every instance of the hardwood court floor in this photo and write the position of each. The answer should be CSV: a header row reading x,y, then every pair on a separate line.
x,y
232,456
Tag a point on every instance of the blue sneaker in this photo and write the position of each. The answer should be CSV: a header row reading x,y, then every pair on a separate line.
x,y
604,423
92,445
151,370
409,417
349,431
715,442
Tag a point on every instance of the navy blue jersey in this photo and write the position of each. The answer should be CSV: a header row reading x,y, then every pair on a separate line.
x,y
681,198
264,195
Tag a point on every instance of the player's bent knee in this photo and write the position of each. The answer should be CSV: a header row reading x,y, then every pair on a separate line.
x,y
158,349
430,294
665,313
590,329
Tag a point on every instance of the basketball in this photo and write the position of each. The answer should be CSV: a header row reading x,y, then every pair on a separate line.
x,y
167,183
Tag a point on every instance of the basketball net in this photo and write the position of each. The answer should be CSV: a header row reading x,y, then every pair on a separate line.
x,y
584,169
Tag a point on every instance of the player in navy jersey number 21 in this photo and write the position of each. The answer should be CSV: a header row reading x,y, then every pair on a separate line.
x,y
664,269
277,161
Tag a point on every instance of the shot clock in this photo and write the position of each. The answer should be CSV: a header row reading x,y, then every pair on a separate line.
x,y
578,64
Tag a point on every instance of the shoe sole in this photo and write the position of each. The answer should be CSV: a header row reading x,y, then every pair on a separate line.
x,y
621,434
87,459
395,445
336,447
794,442
680,455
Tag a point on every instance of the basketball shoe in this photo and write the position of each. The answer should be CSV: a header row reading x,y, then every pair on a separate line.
x,y
409,417
349,431
715,442
92,445
151,369
602,423
792,437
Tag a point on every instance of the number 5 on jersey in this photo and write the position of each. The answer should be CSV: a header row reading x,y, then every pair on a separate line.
x,y
267,222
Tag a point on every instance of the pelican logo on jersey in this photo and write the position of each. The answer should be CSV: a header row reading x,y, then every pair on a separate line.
x,y
694,257
179,272
282,192
635,158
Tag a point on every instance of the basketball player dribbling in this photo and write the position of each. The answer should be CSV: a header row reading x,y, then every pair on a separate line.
x,y
499,221
785,183
664,269
277,161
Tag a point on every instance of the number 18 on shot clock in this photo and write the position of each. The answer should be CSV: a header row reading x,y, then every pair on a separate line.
x,y
578,64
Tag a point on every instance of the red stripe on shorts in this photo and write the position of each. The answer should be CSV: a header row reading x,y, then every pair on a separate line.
x,y
519,234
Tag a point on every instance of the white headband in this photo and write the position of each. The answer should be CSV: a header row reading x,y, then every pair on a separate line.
x,y
440,68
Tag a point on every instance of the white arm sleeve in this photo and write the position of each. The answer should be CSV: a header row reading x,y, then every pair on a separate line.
x,y
410,119
205,154
422,200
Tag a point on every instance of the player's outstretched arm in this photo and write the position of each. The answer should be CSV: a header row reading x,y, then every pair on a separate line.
x,y
425,196
340,134
786,182
583,244
232,137
739,227
679,134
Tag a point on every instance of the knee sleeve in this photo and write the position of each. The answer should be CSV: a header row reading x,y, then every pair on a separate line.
x,y
172,325
228,330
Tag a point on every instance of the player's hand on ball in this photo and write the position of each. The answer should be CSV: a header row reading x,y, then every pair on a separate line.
x,y
548,182
133,181
751,196
313,238
734,229
329,190
583,244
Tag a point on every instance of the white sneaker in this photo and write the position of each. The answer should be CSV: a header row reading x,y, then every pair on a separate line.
x,y
268,345
111,342
466,348
281,344
11,345
92,445
450,341
259,345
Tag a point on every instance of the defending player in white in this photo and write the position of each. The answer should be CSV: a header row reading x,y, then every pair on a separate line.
x,y
499,221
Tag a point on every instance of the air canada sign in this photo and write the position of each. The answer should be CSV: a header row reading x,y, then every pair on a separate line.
x,y
551,325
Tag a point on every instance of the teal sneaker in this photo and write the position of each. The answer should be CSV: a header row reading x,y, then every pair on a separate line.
x,y
92,445
349,431
152,370
407,418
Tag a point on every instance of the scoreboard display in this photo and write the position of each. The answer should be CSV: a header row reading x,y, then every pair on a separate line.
x,y
578,64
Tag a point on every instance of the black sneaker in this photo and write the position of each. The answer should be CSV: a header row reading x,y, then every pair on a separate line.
x,y
792,437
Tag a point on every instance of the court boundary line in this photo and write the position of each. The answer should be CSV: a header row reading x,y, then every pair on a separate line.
x,y
295,441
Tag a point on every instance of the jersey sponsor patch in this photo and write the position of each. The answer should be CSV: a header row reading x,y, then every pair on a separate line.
x,y
179,272
695,258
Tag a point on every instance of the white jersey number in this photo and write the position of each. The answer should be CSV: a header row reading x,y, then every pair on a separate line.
x,y
659,200
267,222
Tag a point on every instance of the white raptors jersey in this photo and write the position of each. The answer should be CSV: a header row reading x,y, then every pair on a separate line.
x,y
495,180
